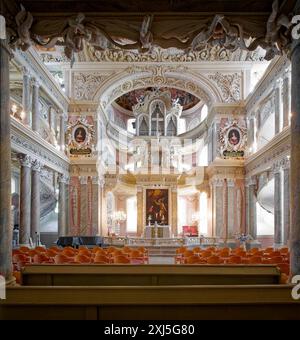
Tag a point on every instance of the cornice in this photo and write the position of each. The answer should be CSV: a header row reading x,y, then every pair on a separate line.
x,y
276,67
27,142
278,148
31,60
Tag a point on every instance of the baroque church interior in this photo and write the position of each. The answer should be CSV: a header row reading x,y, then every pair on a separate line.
x,y
149,149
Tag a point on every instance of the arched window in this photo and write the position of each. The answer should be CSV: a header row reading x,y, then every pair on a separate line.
x,y
143,127
172,126
157,118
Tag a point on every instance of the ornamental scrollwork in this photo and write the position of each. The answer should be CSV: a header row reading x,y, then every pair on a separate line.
x,y
229,85
87,84
229,32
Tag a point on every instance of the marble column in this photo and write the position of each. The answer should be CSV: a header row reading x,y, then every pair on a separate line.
x,y
252,200
62,132
225,211
26,96
252,133
51,118
35,105
295,157
83,205
174,197
104,225
35,199
278,236
25,203
67,186
5,166
231,207
277,109
218,215
62,206
140,211
247,206
286,99
102,231
96,205
286,202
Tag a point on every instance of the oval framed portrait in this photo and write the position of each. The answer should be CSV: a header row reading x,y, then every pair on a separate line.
x,y
80,134
234,137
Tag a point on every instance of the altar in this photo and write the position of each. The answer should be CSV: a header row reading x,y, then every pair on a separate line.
x,y
161,231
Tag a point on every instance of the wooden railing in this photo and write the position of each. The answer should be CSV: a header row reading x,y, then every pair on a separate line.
x,y
172,242
151,303
146,275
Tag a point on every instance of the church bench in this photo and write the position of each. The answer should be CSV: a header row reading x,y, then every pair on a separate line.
x,y
151,302
148,275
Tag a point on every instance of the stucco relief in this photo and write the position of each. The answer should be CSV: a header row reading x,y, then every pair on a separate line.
x,y
229,85
86,84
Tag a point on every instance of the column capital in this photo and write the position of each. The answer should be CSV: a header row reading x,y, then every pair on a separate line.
x,y
277,167
25,160
83,180
97,180
62,178
174,189
251,181
217,182
26,71
35,82
37,165
286,163
231,182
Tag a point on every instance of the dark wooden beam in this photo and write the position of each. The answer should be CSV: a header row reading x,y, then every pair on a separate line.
x,y
138,6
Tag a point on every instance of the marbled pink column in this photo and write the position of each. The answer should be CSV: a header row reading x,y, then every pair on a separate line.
x,y
25,202
83,205
5,166
252,227
96,206
225,211
295,158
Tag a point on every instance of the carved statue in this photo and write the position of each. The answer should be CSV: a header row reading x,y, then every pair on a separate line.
x,y
20,35
229,32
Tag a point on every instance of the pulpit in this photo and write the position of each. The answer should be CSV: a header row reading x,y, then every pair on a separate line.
x,y
161,231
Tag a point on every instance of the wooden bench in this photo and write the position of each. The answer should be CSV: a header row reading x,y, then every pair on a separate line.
x,y
151,303
148,275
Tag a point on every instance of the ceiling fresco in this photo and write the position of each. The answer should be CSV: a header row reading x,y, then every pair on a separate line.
x,y
187,100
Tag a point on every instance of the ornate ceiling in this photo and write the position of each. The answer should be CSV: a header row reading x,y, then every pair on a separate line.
x,y
129,26
173,55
